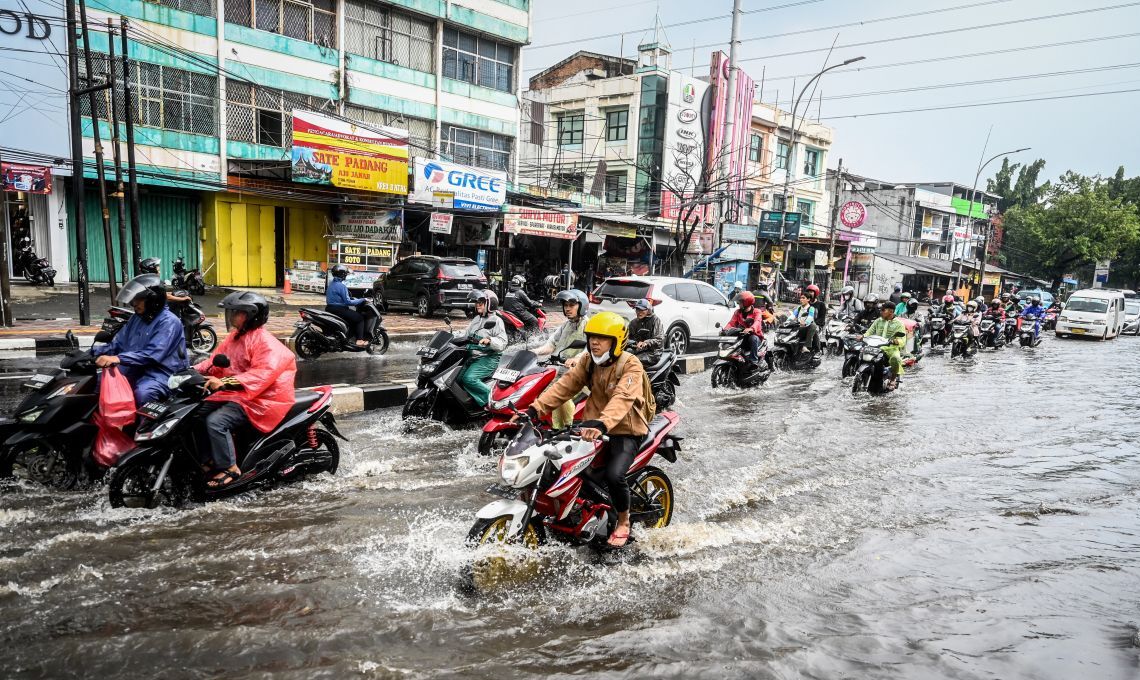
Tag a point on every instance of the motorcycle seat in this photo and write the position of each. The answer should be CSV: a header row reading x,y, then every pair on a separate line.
x,y
329,318
304,400
666,358
656,425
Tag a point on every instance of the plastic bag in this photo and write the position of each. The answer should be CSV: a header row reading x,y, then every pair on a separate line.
x,y
116,398
110,443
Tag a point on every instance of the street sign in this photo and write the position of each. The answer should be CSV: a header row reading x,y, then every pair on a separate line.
x,y
792,221
771,222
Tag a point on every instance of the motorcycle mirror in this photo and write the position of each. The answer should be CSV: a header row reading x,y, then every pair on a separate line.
x,y
577,344
718,324
221,361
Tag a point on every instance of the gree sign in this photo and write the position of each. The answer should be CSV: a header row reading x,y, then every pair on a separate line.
x,y
474,189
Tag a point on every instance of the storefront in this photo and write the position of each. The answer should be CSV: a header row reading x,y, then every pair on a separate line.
x,y
543,243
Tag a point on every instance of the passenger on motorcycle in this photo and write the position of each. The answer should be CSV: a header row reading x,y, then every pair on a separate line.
x,y
484,346
749,319
972,316
768,311
805,314
340,303
900,307
737,289
820,313
996,312
849,304
261,368
948,309
151,347
613,408
575,307
518,303
648,348
1012,304
1036,310
887,326
870,312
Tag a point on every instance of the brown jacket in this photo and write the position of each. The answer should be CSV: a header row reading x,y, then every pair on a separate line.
x,y
612,396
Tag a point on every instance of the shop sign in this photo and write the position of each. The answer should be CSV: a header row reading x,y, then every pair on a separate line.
x,y
792,222
853,214
776,255
771,222
332,151
378,225
618,230
307,276
473,189
993,280
34,179
738,232
684,144
364,255
737,251
442,199
32,35
539,222
716,145
440,223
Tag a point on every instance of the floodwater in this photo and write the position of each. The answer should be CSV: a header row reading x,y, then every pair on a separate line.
x,y
982,522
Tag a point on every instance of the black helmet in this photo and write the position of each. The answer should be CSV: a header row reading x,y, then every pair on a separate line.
x,y
575,295
149,265
146,286
911,306
339,271
518,280
256,309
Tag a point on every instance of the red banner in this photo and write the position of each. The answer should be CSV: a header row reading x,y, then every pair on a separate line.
x,y
34,179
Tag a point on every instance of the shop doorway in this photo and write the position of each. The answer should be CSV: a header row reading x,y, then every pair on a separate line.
x,y
17,222
279,259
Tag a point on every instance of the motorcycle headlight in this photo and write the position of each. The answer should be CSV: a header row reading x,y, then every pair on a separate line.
x,y
869,355
159,432
429,367
32,416
511,468
175,381
65,389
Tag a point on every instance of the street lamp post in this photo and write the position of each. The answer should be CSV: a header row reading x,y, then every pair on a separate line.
x,y
989,227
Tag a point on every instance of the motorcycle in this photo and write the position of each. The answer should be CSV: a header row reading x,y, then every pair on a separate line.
x,y
872,374
662,374
438,394
1028,337
788,353
319,332
50,437
164,467
201,338
516,330
962,343
837,329
937,329
187,279
37,270
552,485
992,334
1010,328
733,369
1049,323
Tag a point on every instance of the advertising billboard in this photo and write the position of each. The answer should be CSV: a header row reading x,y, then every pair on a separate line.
x,y
471,188
340,153
684,144
737,148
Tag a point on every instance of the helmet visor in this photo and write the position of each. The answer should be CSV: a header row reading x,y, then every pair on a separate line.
x,y
127,294
231,314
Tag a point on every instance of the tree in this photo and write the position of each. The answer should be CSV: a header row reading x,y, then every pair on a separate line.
x,y
1126,268
1023,191
1077,223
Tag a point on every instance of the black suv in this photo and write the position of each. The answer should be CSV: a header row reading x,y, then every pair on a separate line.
x,y
425,283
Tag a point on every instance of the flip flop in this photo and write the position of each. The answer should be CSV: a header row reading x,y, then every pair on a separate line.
x,y
617,536
223,478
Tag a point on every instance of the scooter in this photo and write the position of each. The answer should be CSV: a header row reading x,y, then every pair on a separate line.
x,y
188,279
837,329
938,332
1049,323
1010,328
872,374
552,485
788,353
319,332
962,343
37,270
733,369
438,394
201,338
164,468
516,330
992,335
1028,337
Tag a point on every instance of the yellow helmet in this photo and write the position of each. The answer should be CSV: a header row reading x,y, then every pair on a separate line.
x,y
610,325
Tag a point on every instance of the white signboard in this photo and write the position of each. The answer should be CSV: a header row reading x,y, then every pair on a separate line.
x,y
473,189
684,133
440,223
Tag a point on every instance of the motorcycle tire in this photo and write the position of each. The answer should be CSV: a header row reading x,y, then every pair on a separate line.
x,y
849,367
858,384
42,462
490,443
204,339
651,483
488,573
665,396
379,344
306,345
417,408
130,485
722,376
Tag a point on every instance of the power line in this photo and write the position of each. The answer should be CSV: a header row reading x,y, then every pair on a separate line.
x,y
948,107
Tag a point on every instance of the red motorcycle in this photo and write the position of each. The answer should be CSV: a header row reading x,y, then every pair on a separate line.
x,y
516,331
516,385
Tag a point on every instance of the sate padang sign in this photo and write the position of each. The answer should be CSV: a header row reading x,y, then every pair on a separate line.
x,y
329,150
375,225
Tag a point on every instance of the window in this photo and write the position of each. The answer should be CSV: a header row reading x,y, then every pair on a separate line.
x,y
687,292
380,33
421,133
203,7
310,20
570,181
478,60
808,210
710,295
571,127
263,115
1080,304
473,147
811,162
749,203
165,97
617,125
782,152
624,289
779,202
615,187
755,146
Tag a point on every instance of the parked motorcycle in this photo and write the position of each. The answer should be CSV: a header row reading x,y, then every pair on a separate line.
x,y
319,332
516,331
962,343
164,468
732,367
438,394
788,353
553,486
872,374
1027,337
187,279
37,270
201,338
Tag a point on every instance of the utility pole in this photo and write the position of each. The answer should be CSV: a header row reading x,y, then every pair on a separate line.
x,y
832,228
77,198
120,204
729,118
5,252
132,177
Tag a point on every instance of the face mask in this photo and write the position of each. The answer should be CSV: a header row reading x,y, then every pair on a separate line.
x,y
600,360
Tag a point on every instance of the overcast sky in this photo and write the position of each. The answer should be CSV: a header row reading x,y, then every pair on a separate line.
x,y
1090,134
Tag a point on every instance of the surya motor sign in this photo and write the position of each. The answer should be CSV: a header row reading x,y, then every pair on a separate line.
x,y
473,188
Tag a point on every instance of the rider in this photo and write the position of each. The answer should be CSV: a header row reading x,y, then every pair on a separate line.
x,y
1012,304
972,316
613,408
749,319
870,311
1034,309
849,305
340,303
806,315
896,296
518,303
260,381
887,326
948,308
646,333
151,265
151,346
737,289
901,305
575,306
484,346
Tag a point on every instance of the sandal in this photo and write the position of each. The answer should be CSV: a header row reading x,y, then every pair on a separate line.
x,y
618,539
223,478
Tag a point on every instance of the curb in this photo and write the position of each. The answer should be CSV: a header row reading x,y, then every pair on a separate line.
x,y
358,398
696,363
58,342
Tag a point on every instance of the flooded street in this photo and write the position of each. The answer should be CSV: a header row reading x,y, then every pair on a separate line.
x,y
983,521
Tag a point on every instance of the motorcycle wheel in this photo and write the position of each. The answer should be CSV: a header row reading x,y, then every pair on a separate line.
x,y
493,571
652,496
849,367
857,385
379,344
722,376
204,339
665,396
44,463
131,485
492,443
306,344
418,408
327,452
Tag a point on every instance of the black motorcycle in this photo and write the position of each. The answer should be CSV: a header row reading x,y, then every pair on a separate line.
x,y
201,338
164,468
438,394
962,342
187,279
663,374
49,438
1027,337
992,333
37,270
320,332
1009,329
733,368
788,353
872,374
938,325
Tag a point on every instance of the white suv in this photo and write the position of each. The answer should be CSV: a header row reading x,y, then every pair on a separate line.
x,y
689,310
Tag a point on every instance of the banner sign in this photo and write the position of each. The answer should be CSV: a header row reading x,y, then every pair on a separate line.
x,y
618,230
539,222
34,179
440,223
471,188
792,222
379,225
741,130
738,232
684,144
853,214
331,151
771,223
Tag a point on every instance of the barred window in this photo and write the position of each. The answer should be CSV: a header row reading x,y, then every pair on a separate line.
x,y
478,60
203,7
421,133
473,147
263,115
755,146
164,97
310,20
377,32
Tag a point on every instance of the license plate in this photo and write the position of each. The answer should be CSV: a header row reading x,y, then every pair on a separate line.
x,y
1078,331
503,492
428,352
37,381
109,326
152,409
463,286
506,375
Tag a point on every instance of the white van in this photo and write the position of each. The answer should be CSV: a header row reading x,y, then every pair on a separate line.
x,y
1095,312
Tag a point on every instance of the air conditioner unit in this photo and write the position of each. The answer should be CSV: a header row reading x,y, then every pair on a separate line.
x,y
765,196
